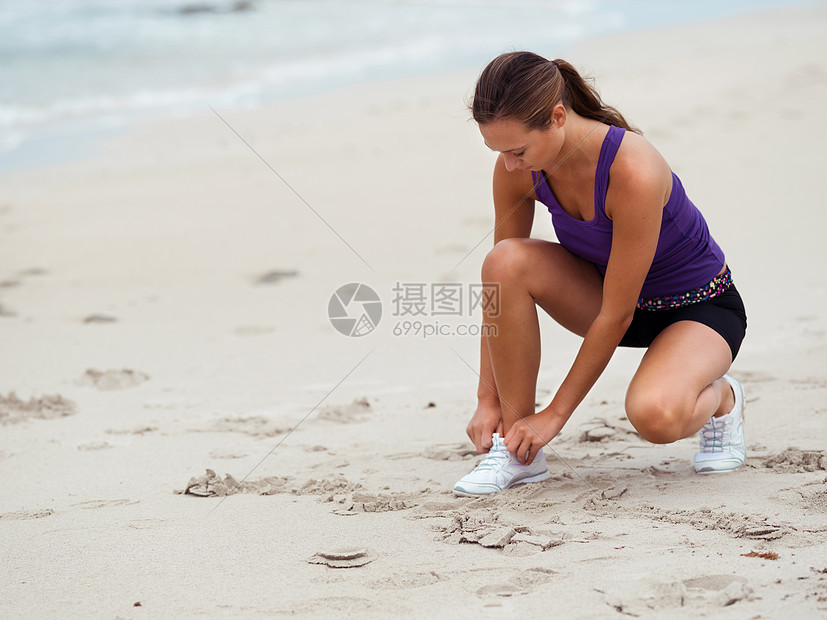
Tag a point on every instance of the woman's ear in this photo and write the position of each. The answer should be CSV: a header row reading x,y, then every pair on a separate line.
x,y
558,115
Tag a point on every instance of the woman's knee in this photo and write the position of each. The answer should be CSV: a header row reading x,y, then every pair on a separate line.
x,y
657,417
505,260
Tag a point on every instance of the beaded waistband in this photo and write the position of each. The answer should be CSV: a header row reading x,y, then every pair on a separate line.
x,y
718,285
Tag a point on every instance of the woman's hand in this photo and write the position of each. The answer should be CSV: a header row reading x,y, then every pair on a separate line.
x,y
487,420
527,436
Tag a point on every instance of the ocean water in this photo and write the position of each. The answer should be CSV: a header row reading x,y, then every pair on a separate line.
x,y
69,67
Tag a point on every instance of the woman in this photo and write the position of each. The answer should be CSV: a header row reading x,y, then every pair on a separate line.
x,y
635,266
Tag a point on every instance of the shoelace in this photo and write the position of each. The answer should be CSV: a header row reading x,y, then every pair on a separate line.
x,y
493,460
713,435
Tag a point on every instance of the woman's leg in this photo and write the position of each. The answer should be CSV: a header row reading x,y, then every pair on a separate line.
x,y
678,384
529,272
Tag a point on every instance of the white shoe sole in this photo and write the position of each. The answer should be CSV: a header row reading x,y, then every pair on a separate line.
x,y
719,467
535,478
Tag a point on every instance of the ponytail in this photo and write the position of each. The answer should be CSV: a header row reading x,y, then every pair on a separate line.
x,y
526,87
584,99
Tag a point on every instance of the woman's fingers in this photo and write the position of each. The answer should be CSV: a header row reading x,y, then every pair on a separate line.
x,y
525,451
523,442
479,442
517,441
480,436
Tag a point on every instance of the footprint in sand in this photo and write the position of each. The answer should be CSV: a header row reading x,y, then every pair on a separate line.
x,y
255,426
27,514
756,376
276,276
521,582
404,581
138,430
647,597
14,410
809,383
112,379
228,454
450,452
94,445
345,606
93,504
809,496
343,557
455,452
502,589
213,485
33,271
723,590
99,318
354,412
710,591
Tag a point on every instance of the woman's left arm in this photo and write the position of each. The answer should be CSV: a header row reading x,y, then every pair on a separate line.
x,y
640,185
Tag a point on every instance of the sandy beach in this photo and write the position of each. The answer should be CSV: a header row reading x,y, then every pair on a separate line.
x,y
166,340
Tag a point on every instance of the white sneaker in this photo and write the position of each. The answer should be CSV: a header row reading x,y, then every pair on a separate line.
x,y
499,470
723,446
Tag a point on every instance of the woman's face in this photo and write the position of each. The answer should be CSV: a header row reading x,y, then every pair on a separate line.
x,y
523,148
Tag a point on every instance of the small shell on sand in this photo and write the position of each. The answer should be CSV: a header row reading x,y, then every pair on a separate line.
x,y
342,557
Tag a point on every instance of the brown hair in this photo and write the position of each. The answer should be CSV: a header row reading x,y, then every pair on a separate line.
x,y
525,86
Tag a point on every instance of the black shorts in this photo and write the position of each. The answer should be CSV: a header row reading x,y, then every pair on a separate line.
x,y
724,313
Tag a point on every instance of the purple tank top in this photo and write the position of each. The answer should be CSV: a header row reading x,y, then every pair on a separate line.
x,y
687,257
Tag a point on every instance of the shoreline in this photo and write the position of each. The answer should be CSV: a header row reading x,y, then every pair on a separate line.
x,y
77,138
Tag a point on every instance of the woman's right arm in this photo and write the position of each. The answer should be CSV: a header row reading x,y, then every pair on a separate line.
x,y
513,216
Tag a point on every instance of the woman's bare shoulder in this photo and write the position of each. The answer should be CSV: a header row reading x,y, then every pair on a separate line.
x,y
638,161
639,175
